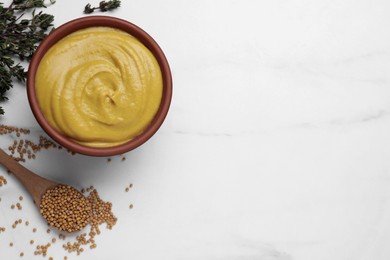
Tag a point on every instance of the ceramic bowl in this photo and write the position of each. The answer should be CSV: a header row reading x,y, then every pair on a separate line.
x,y
93,21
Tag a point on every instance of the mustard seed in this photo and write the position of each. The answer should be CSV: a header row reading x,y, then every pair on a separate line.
x,y
131,206
21,198
42,249
31,242
127,189
21,254
3,181
34,230
101,214
65,208
11,244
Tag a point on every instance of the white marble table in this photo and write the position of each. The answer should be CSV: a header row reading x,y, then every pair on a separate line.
x,y
276,147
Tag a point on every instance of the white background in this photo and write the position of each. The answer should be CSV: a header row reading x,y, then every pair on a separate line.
x,y
276,147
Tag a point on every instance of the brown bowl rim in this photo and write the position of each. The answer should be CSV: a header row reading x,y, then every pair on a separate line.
x,y
94,21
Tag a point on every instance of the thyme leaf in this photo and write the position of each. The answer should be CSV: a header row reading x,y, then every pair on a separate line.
x,y
19,39
104,6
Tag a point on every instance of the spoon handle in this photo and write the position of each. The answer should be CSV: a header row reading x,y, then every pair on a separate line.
x,y
35,184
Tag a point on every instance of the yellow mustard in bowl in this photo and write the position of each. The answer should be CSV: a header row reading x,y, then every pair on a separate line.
x,y
99,86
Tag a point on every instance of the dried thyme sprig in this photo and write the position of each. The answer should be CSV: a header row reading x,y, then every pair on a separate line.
x,y
104,6
19,39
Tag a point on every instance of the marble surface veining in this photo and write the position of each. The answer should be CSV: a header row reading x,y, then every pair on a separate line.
x,y
276,147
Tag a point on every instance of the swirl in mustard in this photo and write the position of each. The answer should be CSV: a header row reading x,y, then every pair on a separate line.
x,y
99,86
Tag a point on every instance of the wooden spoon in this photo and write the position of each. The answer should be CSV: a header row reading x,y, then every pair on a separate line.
x,y
36,185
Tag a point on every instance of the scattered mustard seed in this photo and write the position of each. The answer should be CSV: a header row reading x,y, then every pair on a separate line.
x,y
42,249
17,222
101,214
21,148
3,181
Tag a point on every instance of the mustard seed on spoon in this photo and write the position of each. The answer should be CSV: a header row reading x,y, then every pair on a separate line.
x,y
65,208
